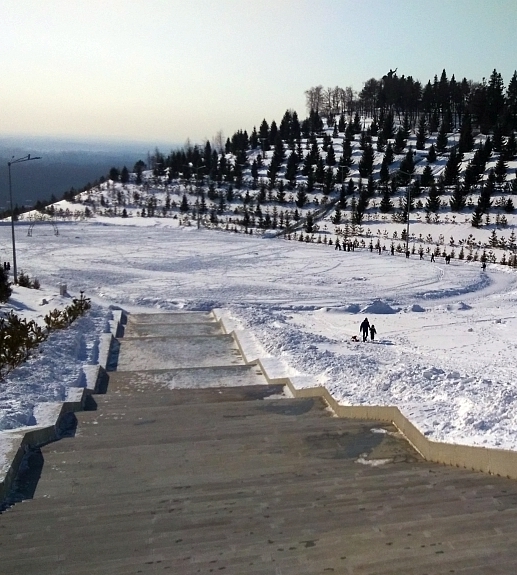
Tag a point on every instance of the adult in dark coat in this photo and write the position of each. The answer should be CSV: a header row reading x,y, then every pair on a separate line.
x,y
364,327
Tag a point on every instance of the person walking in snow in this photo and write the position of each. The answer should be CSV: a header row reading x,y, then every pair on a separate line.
x,y
364,327
373,331
432,257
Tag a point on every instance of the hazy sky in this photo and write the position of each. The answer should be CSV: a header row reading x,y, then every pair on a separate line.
x,y
167,70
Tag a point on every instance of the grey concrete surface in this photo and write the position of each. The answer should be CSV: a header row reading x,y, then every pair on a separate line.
x,y
178,330
170,352
239,480
192,378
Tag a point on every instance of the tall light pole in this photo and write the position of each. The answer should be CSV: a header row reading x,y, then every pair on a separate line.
x,y
27,158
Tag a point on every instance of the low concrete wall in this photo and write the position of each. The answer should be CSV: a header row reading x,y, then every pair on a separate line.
x,y
488,460
25,439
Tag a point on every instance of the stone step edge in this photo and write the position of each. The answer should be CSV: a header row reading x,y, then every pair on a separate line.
x,y
489,460
22,440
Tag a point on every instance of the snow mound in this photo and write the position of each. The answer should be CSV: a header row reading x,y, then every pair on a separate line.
x,y
380,307
416,307
460,306
353,308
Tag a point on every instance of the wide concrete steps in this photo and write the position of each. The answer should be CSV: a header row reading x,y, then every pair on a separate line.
x,y
195,466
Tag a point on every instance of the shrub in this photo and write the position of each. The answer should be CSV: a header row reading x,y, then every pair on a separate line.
x,y
24,280
5,286
19,336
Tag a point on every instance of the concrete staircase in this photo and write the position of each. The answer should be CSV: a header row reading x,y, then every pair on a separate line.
x,y
191,464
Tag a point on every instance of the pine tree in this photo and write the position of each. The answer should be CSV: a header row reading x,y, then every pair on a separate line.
x,y
292,169
5,286
421,135
336,218
466,142
309,223
477,217
441,139
389,154
361,206
301,197
280,194
310,181
457,201
381,142
184,207
400,142
279,152
433,202
320,171
384,174
500,170
452,168
406,127
328,183
386,205
342,198
264,136
346,157
388,126
124,175
407,168
431,155
434,121
114,174
331,156
427,178
366,162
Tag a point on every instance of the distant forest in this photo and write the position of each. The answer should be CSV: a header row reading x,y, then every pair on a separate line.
x,y
489,105
443,105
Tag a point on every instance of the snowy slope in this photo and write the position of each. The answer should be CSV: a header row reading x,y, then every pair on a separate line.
x,y
447,338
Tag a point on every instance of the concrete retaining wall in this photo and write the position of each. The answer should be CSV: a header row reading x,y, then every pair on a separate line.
x,y
494,461
23,440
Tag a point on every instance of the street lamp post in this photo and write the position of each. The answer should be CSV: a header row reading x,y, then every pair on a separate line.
x,y
27,158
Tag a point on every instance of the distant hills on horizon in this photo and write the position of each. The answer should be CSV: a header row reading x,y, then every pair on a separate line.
x,y
65,163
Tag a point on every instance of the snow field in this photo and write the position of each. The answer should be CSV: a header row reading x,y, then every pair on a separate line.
x,y
446,346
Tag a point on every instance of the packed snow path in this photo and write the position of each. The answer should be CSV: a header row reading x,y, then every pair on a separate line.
x,y
447,338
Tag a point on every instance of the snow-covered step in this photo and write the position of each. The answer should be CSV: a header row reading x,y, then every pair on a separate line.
x,y
177,352
190,378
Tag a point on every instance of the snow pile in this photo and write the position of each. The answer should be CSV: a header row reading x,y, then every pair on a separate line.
x,y
379,307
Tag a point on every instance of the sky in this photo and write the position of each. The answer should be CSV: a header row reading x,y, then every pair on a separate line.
x,y
164,71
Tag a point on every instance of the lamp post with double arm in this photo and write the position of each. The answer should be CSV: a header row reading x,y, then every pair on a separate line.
x,y
27,158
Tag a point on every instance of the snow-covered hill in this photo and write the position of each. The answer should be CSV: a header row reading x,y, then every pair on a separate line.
x,y
249,200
